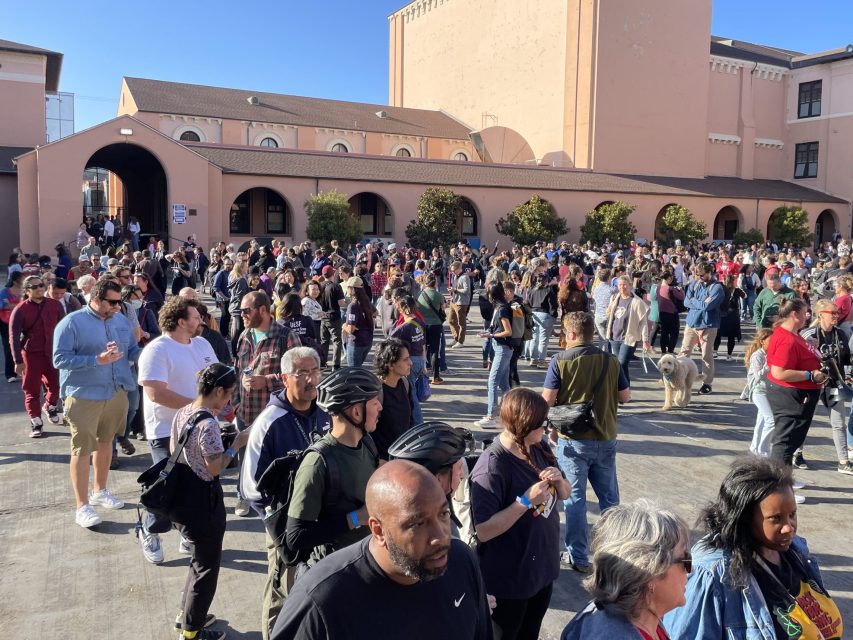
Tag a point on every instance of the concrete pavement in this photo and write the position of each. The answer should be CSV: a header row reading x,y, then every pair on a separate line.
x,y
63,581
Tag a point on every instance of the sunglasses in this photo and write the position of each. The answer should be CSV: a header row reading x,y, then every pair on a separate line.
x,y
244,311
112,303
36,286
832,313
686,562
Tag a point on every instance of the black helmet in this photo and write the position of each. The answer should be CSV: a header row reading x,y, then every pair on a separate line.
x,y
434,445
345,387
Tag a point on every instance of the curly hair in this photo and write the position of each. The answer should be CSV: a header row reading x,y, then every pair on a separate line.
x,y
175,309
522,411
387,354
727,520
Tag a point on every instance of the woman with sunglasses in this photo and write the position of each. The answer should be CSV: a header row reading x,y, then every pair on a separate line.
x,y
515,486
199,508
640,563
753,577
832,340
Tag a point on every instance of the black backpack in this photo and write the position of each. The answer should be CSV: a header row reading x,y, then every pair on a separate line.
x,y
276,486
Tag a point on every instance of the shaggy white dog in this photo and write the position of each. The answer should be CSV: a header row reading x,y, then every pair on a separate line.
x,y
679,374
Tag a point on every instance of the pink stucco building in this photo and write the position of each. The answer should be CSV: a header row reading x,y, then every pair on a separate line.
x,y
579,101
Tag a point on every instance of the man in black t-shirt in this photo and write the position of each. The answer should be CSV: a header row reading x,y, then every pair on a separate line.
x,y
332,301
425,584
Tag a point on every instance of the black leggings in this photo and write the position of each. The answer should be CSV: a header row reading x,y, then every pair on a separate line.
x,y
199,514
793,410
7,350
668,325
730,345
520,619
433,343
514,380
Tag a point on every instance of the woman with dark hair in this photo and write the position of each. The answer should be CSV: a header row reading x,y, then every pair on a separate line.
x,y
359,323
10,297
667,295
753,577
64,260
238,286
794,381
640,563
393,366
411,331
729,317
515,486
500,333
290,315
199,509
431,304
182,271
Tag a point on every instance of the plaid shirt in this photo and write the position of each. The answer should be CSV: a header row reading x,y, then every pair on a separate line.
x,y
378,280
265,360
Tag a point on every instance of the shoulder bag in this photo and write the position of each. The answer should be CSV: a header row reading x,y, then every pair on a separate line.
x,y
442,316
579,418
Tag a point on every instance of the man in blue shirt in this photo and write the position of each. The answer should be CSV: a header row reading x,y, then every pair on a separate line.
x,y
703,299
93,348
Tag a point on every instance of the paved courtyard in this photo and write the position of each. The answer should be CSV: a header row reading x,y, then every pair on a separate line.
x,y
66,582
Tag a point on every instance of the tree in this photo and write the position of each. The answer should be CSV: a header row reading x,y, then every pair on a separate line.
x,y
534,220
791,225
437,222
609,222
329,219
678,223
748,238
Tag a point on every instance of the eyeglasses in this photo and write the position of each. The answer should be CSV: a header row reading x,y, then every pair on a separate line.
x,y
305,375
112,303
686,562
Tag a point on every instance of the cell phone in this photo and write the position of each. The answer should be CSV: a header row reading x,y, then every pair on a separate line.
x,y
112,346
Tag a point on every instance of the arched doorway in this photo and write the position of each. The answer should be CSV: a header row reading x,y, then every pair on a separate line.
x,y
824,227
602,204
125,180
726,223
260,211
376,216
659,235
468,221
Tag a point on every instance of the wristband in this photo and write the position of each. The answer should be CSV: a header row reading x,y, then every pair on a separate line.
x,y
524,501
230,452
808,375
353,517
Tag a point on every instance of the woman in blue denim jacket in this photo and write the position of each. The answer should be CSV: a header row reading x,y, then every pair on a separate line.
x,y
640,563
753,574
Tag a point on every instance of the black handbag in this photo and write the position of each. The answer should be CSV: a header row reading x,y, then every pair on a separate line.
x,y
579,418
159,482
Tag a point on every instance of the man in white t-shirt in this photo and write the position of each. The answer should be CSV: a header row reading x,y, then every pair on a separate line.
x,y
167,373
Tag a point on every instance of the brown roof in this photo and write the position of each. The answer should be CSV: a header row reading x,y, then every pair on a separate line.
x,y
282,162
54,60
6,155
215,102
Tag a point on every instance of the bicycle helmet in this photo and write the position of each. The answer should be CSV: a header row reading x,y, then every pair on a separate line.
x,y
345,387
434,445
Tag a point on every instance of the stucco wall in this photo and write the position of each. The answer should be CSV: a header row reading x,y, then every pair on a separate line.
x,y
22,79
514,64
8,214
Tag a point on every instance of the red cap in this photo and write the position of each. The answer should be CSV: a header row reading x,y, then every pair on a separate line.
x,y
328,270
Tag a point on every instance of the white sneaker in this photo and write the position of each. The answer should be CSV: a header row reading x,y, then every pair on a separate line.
x,y
800,499
242,509
716,355
798,484
12,379
455,345
151,547
86,517
105,499
486,422
185,547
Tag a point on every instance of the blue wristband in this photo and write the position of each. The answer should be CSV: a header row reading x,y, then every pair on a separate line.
x,y
230,452
524,501
353,517
808,375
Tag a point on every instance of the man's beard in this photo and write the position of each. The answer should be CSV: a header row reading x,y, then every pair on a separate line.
x,y
411,568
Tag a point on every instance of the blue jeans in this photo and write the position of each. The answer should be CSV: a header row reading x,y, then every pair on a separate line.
x,y
581,460
132,408
543,325
356,355
498,376
488,345
417,369
159,449
623,353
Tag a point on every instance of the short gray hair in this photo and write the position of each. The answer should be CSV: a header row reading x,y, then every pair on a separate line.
x,y
631,545
291,356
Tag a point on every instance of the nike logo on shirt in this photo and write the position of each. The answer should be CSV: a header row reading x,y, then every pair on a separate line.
x,y
456,603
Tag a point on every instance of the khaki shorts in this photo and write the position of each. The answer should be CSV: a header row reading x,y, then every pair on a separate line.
x,y
95,421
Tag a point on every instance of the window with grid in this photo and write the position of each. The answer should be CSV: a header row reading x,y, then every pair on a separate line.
x,y
805,163
810,98
269,142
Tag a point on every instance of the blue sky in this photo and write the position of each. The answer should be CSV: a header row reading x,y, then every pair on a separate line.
x,y
336,49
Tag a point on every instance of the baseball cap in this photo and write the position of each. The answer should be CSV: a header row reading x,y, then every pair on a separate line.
x,y
328,270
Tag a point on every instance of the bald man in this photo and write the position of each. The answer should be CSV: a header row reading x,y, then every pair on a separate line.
x,y
407,579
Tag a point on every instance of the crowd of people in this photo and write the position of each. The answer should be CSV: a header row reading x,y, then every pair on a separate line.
x,y
331,353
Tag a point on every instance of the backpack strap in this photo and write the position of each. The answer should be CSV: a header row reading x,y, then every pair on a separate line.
x,y
501,454
333,473
192,421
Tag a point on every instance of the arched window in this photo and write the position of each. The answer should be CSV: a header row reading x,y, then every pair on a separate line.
x,y
339,147
269,142
254,205
190,136
461,156
467,223
402,152
374,212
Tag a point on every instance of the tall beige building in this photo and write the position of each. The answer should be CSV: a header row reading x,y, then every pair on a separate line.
x,y
615,86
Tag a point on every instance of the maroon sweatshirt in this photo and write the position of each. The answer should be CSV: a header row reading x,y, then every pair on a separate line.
x,y
32,330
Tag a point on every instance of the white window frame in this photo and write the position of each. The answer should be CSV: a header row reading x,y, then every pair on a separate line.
x,y
268,134
189,127
342,141
462,151
405,146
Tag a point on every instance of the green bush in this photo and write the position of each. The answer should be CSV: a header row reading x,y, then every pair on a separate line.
x,y
534,220
748,238
437,222
678,223
609,222
791,225
329,219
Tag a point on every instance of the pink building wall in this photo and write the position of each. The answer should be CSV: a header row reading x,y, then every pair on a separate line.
x,y
22,107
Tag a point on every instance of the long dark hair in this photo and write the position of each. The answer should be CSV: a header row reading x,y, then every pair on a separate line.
x,y
497,295
216,375
728,519
522,411
364,302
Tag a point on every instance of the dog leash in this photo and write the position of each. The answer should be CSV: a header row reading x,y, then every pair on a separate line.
x,y
646,357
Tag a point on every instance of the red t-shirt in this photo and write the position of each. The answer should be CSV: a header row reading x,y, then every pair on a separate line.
x,y
661,634
789,351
